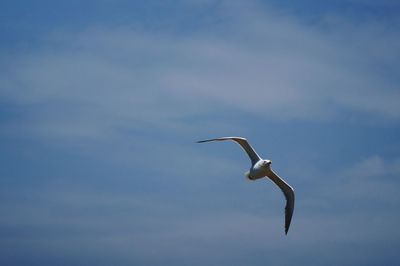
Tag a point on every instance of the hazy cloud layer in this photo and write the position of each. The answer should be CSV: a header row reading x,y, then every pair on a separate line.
x,y
273,66
98,118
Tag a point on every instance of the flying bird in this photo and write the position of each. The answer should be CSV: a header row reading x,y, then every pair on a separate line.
x,y
262,168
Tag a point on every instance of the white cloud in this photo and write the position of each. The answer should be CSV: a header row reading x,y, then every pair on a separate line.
x,y
374,167
256,61
360,187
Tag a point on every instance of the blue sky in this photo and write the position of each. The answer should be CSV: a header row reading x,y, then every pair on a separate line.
x,y
101,103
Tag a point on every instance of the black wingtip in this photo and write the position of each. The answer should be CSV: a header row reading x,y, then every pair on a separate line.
x,y
206,140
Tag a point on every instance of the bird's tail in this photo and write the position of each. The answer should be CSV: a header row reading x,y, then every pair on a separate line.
x,y
247,175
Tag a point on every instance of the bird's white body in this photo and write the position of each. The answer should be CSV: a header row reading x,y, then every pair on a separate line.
x,y
262,168
259,170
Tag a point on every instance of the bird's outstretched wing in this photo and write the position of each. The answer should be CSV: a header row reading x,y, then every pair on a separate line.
x,y
288,191
242,142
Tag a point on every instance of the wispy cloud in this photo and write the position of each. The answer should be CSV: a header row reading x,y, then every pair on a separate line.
x,y
263,63
99,125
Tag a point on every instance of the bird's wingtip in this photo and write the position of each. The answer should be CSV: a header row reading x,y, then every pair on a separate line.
x,y
206,140
222,138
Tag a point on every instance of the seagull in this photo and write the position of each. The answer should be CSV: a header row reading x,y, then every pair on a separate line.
x,y
262,168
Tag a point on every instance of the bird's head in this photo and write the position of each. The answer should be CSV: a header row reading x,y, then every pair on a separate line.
x,y
267,162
